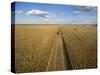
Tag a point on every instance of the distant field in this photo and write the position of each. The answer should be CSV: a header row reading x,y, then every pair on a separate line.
x,y
40,47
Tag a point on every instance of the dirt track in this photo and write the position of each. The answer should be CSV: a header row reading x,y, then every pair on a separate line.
x,y
59,58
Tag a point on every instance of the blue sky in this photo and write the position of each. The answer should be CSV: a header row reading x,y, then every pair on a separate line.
x,y
37,13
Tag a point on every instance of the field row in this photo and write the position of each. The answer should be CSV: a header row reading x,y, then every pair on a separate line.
x,y
81,44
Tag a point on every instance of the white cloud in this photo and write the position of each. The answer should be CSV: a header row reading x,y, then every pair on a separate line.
x,y
77,12
47,16
92,17
87,17
39,13
18,12
46,19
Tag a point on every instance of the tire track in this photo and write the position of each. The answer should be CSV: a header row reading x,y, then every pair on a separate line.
x,y
67,61
61,57
52,50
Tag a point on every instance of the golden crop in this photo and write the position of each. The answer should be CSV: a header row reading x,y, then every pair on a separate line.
x,y
37,48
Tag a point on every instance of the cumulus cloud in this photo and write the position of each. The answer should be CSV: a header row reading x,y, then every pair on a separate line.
x,y
18,12
39,13
77,12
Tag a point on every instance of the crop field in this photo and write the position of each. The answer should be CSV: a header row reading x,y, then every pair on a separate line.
x,y
81,42
40,48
